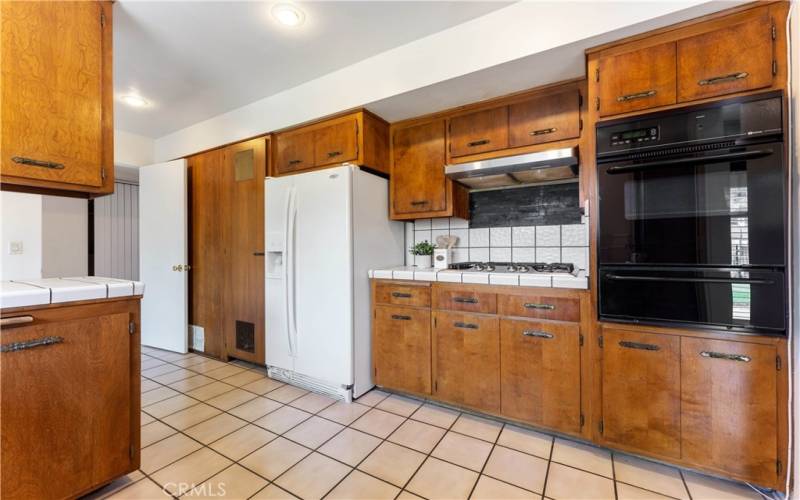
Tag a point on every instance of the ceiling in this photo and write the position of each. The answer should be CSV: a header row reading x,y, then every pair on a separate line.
x,y
196,60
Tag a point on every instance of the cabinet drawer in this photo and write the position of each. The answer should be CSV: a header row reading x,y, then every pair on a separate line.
x,y
294,152
464,300
543,119
540,306
403,295
402,348
479,132
336,143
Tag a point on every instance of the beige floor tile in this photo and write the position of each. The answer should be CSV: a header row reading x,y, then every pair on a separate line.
x,y
211,390
359,486
171,405
526,440
166,451
145,419
492,489
151,363
407,495
583,456
517,468
276,457
282,419
399,405
255,408
312,402
372,398
191,470
160,370
148,385
350,446
174,376
188,362
156,395
286,394
233,483
344,413
628,492
704,487
436,415
140,490
191,383
273,492
262,386
463,450
440,480
191,416
649,475
392,463
481,428
313,432
231,399
174,356
215,428
417,435
207,365
313,477
243,378
573,484
243,442
155,431
224,372
378,423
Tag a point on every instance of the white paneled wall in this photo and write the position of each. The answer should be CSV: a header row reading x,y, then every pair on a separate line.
x,y
116,233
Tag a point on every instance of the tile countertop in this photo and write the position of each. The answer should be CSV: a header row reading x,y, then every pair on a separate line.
x,y
43,291
581,281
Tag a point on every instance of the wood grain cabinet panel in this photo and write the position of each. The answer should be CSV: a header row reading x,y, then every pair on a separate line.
x,y
640,79
294,152
418,182
336,144
456,299
641,391
540,377
547,118
402,348
467,360
403,295
729,407
732,59
539,306
479,132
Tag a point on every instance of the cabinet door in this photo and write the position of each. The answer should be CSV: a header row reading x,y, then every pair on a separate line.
x,y
336,143
402,348
479,132
540,376
418,182
732,59
294,152
543,119
641,391
467,360
65,402
640,79
54,70
729,407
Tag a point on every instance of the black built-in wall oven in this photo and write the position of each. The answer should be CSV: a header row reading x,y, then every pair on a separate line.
x,y
692,227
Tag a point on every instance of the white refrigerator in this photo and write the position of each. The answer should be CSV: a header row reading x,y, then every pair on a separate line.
x,y
324,230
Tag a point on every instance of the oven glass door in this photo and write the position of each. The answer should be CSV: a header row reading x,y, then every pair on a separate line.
x,y
716,208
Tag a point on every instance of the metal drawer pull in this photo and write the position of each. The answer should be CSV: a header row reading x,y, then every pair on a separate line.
x,y
549,307
543,131
465,300
478,143
401,295
469,326
295,162
723,79
639,345
334,154
419,202
722,355
16,320
400,317
638,95
538,334
19,346
37,163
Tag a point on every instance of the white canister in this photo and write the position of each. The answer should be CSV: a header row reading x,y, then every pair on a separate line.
x,y
442,258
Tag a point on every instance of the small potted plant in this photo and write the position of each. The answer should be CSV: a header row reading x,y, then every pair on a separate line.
x,y
423,248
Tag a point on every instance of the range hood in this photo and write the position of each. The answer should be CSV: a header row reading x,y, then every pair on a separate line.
x,y
531,168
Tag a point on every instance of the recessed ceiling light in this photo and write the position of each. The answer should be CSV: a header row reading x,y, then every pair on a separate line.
x,y
288,15
134,100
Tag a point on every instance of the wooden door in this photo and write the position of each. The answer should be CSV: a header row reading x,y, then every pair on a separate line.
x,y
467,360
479,132
402,348
56,78
546,118
294,152
66,403
246,164
418,182
336,143
540,376
640,79
729,407
732,59
641,391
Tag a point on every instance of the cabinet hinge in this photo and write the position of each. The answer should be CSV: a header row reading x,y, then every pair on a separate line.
x,y
434,322
583,421
374,313
774,67
600,341
600,426
580,100
130,451
580,340
597,103
778,363
103,173
597,74
103,19
778,466
774,32
436,386
131,327
375,371
580,124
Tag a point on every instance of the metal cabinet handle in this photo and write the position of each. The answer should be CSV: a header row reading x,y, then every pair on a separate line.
x,y
530,305
537,333
28,344
465,300
187,267
639,345
178,268
334,154
468,326
420,202
16,320
295,162
638,95
722,355
401,317
401,295
258,254
543,131
37,163
478,143
724,78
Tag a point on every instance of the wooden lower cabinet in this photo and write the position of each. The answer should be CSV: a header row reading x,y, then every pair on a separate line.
x,y
401,348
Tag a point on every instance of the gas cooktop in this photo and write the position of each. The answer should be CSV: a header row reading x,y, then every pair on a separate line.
x,y
515,267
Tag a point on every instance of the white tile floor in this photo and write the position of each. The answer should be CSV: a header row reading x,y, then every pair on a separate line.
x,y
217,430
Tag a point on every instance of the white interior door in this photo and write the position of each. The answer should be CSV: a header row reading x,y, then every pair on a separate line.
x,y
163,255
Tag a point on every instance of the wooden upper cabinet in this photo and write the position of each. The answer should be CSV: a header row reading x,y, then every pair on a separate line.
x,y
57,125
546,118
337,143
732,59
294,152
479,132
401,349
640,79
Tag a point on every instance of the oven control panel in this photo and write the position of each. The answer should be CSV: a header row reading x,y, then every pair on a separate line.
x,y
634,136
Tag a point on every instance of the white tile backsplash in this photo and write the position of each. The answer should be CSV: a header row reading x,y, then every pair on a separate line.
x,y
575,235
463,237
479,237
421,224
548,254
438,232
524,236
440,223
420,236
523,254
456,223
479,254
500,254
548,236
578,256
500,237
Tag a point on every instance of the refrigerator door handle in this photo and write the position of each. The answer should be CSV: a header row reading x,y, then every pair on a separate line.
x,y
293,238
287,284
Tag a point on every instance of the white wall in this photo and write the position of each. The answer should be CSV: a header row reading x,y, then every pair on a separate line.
x,y
21,220
65,237
132,150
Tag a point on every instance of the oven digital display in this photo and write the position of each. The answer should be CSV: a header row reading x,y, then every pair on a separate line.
x,y
634,136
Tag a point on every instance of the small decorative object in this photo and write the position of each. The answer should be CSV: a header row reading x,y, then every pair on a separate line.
x,y
443,253
423,248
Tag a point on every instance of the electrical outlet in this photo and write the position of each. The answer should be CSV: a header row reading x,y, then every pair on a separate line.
x,y
15,248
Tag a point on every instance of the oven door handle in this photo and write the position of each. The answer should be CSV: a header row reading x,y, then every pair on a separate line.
x,y
743,281
745,155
